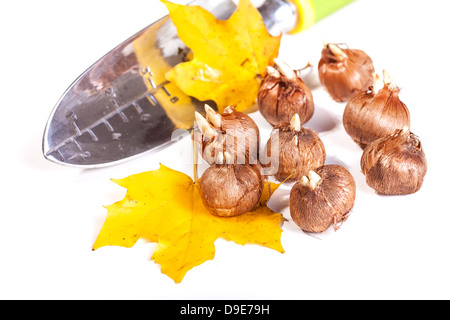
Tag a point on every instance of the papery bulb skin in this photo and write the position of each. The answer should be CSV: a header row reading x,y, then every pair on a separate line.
x,y
232,132
231,190
298,151
375,113
345,72
282,94
322,199
395,164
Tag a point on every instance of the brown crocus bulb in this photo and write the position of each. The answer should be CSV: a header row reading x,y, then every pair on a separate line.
x,y
344,72
283,94
376,112
231,190
293,150
322,199
395,164
232,132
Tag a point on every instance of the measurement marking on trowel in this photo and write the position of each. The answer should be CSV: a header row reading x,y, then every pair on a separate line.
x,y
108,125
104,120
75,126
138,108
166,91
111,94
119,110
92,134
61,157
147,72
83,155
152,83
153,100
73,117
77,145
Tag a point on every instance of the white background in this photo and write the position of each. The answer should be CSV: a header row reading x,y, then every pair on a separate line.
x,y
390,248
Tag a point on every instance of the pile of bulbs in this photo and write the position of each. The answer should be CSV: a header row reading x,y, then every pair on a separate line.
x,y
392,161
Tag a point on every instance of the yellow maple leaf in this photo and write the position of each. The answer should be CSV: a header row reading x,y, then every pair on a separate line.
x,y
164,206
229,56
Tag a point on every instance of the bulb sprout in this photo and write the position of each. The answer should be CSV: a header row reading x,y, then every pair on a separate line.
x,y
228,157
295,123
271,71
285,70
386,77
312,180
206,129
337,52
304,181
213,116
378,83
219,158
